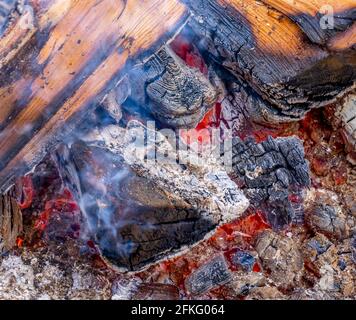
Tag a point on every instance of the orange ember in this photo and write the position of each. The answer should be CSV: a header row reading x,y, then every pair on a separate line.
x,y
189,53
64,203
250,225
19,242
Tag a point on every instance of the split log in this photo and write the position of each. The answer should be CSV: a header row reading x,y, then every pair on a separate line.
x,y
75,52
259,45
141,211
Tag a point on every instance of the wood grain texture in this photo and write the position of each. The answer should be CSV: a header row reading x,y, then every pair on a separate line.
x,y
310,15
176,94
10,222
345,40
62,56
78,49
265,48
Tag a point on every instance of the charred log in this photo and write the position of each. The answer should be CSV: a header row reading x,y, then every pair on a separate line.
x,y
135,224
141,212
174,93
73,68
289,73
269,173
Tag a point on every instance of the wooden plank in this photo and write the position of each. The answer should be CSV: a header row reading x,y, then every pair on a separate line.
x,y
78,51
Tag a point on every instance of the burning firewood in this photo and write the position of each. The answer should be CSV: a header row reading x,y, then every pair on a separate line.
x,y
177,95
210,275
269,173
258,42
140,211
111,108
60,72
261,46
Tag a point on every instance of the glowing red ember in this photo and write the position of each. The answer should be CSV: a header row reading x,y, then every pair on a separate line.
x,y
64,203
189,53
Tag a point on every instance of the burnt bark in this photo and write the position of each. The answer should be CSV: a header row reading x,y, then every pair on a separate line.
x,y
175,94
269,172
141,212
263,47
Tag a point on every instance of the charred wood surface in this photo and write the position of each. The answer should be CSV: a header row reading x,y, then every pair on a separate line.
x,y
212,274
269,173
320,20
134,222
139,211
263,47
59,58
177,95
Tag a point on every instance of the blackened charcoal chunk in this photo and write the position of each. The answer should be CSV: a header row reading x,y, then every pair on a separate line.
x,y
269,172
214,273
176,95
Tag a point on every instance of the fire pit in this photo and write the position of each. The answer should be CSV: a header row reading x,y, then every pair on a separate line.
x,y
166,150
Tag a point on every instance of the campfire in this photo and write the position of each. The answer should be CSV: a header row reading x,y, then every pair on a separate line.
x,y
177,149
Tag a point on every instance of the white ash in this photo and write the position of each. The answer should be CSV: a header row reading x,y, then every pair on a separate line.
x,y
125,289
16,280
206,186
